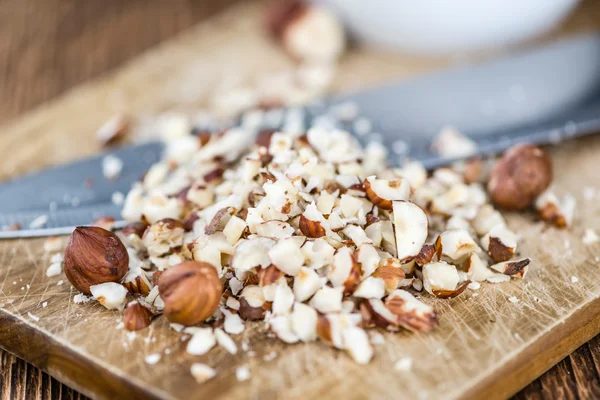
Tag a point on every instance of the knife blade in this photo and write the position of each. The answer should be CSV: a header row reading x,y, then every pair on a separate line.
x,y
540,96
70,195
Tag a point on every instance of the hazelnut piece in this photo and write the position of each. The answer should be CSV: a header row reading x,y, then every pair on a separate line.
x,y
94,256
136,316
135,228
191,292
520,176
310,228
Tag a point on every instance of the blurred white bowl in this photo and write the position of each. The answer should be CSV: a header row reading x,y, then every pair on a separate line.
x,y
448,26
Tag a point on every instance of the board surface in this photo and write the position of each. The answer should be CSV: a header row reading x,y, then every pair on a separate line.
x,y
484,344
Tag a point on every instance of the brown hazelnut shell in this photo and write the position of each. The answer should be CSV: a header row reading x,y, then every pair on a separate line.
x,y
520,176
136,317
94,256
191,292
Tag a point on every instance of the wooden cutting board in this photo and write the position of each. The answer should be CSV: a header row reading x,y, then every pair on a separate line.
x,y
485,345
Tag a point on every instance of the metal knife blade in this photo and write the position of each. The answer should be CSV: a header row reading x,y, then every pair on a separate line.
x,y
538,96
72,194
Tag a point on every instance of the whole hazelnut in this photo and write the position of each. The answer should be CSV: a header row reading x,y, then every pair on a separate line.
x,y
94,256
519,176
306,31
191,292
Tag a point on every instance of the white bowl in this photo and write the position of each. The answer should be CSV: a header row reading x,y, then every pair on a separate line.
x,y
448,26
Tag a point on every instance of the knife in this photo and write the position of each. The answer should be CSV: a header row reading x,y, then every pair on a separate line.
x,y
538,96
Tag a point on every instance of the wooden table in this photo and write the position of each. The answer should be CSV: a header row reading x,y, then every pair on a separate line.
x,y
49,46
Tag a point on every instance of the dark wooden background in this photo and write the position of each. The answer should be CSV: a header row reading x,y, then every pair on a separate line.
x,y
49,46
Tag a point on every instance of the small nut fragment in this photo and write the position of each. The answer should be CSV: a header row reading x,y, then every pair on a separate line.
x,y
269,275
410,224
104,222
370,288
487,217
451,143
134,228
477,270
113,130
136,316
516,268
53,243
448,294
202,372
304,322
455,245
287,256
136,282
357,344
391,276
306,283
425,255
474,170
440,276
382,192
93,256
203,339
519,176
249,313
345,270
111,295
553,211
500,243
327,299
375,313
191,292
411,313
311,228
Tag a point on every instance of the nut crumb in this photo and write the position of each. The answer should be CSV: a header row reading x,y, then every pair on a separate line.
x,y
111,167
513,299
404,364
39,222
589,193
152,359
574,279
376,338
81,298
590,237
52,244
518,337
202,372
242,373
117,198
54,269
33,317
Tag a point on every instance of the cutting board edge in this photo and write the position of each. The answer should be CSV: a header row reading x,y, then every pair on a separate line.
x,y
81,372
546,351
46,352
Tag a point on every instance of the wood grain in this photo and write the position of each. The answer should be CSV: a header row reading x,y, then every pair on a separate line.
x,y
46,125
49,46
